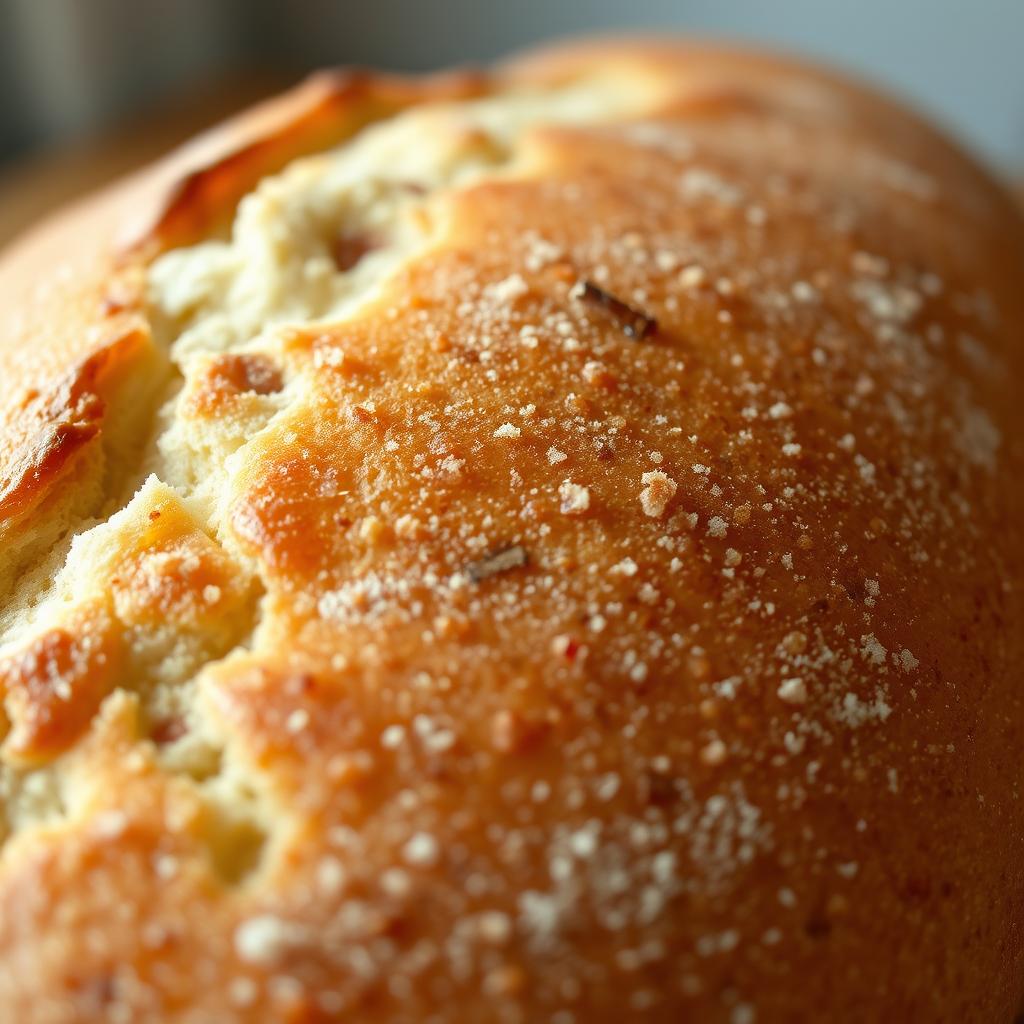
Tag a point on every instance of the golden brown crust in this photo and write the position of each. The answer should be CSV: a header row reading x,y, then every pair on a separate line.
x,y
617,617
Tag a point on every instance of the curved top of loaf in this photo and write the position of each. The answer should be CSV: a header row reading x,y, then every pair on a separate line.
x,y
517,544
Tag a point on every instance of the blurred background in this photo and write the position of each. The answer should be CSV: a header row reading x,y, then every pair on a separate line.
x,y
94,87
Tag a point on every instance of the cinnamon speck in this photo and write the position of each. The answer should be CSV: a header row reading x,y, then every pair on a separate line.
x,y
499,561
634,324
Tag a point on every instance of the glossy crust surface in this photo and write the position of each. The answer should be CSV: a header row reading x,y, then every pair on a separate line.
x,y
609,608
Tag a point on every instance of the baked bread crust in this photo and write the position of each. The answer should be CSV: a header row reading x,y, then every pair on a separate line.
x,y
614,613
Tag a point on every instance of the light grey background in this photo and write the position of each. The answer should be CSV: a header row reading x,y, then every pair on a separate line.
x,y
70,67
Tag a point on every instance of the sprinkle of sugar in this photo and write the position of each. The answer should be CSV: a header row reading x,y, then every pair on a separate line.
x,y
110,824
242,991
872,650
542,253
855,712
575,499
421,850
392,737
717,527
658,491
907,661
666,261
692,276
451,466
555,456
166,866
714,753
395,882
793,690
512,287
328,356
297,721
698,183
494,927
264,939
508,430
804,292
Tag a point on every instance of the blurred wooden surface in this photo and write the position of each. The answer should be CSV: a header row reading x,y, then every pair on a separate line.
x,y
42,183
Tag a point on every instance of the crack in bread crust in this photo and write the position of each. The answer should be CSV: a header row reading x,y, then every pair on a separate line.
x,y
225,367
89,423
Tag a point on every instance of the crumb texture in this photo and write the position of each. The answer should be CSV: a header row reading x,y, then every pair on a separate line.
x,y
557,556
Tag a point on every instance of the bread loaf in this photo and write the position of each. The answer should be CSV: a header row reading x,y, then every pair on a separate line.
x,y
542,545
